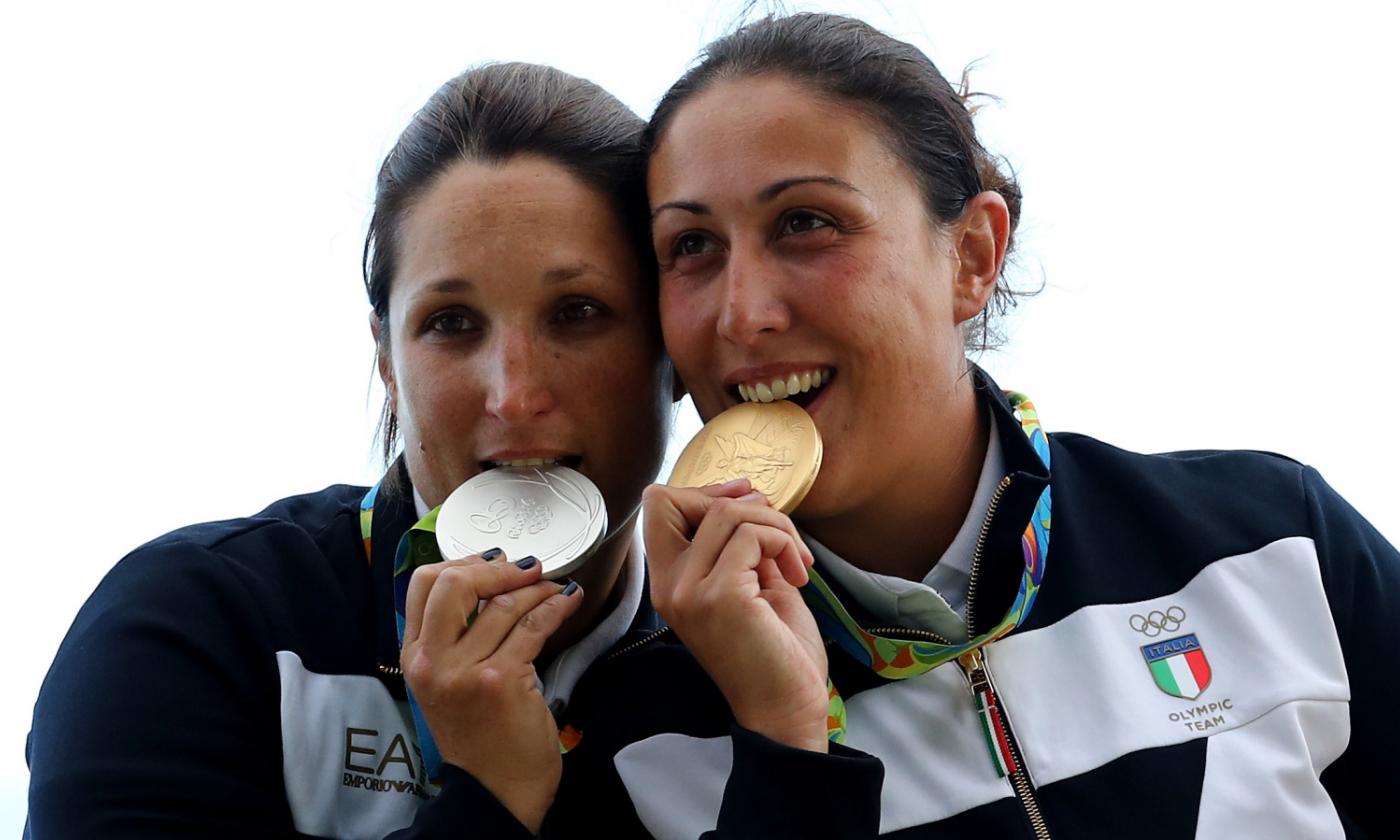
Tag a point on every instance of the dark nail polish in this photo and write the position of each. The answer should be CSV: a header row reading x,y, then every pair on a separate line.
x,y
490,554
526,562
570,589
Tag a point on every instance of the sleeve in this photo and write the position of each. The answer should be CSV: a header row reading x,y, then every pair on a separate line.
x,y
160,716
779,791
1361,572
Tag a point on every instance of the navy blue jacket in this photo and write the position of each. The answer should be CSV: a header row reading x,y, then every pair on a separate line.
x,y
1210,655
225,680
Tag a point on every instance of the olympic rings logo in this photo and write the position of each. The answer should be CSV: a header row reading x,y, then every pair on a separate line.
x,y
1158,622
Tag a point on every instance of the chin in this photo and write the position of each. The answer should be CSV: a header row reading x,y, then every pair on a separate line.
x,y
820,502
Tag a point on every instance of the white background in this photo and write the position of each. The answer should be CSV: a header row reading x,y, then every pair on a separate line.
x,y
1209,202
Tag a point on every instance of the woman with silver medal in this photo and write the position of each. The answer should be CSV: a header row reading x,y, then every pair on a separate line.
x,y
1198,654
400,661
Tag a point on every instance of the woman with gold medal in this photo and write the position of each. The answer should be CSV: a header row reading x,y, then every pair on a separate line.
x,y
906,650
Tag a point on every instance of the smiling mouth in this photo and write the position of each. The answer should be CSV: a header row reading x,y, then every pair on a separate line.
x,y
800,387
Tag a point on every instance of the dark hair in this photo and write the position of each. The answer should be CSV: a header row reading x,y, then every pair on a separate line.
x,y
926,121
491,114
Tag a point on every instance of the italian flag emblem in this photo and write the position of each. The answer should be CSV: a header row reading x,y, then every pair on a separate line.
x,y
1179,666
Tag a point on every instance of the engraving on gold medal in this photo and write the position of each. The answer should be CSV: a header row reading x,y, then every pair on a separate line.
x,y
774,445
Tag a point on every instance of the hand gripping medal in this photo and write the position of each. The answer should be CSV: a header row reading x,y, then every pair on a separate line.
x,y
555,513
774,445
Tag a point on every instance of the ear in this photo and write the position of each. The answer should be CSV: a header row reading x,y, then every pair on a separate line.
x,y
980,238
382,359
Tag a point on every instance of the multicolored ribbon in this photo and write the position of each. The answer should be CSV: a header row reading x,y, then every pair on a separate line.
x,y
899,658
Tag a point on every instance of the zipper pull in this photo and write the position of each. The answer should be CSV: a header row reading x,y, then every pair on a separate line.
x,y
984,698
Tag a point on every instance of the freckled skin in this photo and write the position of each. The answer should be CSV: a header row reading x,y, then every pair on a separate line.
x,y
495,366
858,279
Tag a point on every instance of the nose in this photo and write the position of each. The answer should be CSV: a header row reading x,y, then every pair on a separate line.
x,y
518,385
752,306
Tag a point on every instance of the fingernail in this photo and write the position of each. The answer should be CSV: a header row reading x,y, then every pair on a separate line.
x,y
570,589
752,497
526,562
490,554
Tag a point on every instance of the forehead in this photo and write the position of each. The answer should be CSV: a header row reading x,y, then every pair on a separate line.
x,y
738,132
526,214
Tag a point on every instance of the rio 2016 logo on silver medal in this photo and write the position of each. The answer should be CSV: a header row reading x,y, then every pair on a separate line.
x,y
553,512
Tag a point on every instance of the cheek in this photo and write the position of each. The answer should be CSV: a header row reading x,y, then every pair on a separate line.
x,y
620,396
434,398
686,322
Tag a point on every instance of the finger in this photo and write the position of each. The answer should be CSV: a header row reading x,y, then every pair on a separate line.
x,y
533,629
452,603
804,554
787,568
757,548
499,616
719,525
733,488
422,582
693,503
665,531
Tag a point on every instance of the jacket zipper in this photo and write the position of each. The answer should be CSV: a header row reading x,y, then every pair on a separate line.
x,y
1001,741
642,642
1006,752
974,665
981,546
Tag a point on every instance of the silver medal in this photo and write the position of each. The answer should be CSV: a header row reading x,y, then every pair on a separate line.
x,y
555,513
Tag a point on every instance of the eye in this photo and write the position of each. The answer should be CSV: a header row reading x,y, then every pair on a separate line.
x,y
574,311
450,322
692,244
802,221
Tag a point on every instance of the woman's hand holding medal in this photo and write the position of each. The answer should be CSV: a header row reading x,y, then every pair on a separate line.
x,y
472,673
725,567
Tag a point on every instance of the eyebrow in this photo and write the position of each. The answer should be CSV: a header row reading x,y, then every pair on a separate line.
x,y
563,273
449,284
772,191
768,193
551,277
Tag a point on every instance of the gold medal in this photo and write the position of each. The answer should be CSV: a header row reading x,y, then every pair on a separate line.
x,y
774,445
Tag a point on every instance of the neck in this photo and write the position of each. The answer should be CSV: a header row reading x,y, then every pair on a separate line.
x,y
905,531
599,578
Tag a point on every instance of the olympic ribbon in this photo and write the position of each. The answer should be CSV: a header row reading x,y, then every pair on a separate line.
x,y
418,547
897,659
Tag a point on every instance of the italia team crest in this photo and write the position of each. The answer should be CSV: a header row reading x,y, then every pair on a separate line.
x,y
1179,666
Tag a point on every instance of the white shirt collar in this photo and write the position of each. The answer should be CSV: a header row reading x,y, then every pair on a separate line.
x,y
939,601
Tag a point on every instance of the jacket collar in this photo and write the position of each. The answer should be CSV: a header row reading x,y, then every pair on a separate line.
x,y
393,516
998,577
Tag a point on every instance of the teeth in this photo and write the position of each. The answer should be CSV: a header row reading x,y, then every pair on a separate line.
x,y
525,462
783,387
